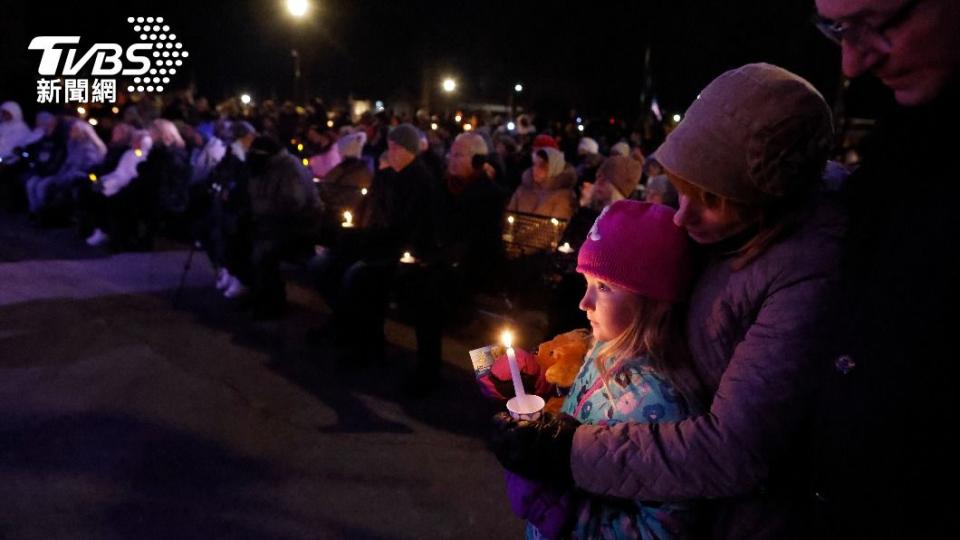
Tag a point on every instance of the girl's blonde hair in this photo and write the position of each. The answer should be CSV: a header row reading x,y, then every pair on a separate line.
x,y
657,330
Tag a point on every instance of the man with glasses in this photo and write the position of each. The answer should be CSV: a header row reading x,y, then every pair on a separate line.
x,y
890,402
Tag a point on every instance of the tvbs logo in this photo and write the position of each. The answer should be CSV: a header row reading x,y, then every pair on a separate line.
x,y
107,57
150,62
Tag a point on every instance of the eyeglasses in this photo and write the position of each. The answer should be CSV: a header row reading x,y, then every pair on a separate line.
x,y
862,35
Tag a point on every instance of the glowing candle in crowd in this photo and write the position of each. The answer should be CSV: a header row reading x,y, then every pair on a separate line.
x,y
138,152
363,191
433,126
347,220
329,123
300,147
407,258
81,111
116,110
92,177
245,99
565,248
467,127
458,117
506,338
306,162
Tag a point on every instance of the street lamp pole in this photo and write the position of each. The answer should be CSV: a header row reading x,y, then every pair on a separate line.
x,y
297,9
296,74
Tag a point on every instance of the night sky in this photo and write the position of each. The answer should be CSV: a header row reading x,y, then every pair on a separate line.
x,y
584,55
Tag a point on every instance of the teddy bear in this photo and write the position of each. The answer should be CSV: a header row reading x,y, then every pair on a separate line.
x,y
561,359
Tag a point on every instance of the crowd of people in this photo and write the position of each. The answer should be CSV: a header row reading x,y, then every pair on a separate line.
x,y
344,197
770,329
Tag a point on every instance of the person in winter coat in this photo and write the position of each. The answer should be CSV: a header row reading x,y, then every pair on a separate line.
x,y
14,132
45,154
229,233
890,404
84,151
546,189
285,211
636,262
747,161
355,274
342,189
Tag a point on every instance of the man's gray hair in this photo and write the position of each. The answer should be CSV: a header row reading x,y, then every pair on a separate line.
x,y
474,143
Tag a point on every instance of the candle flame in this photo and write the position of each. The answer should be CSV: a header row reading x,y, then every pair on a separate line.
x,y
510,220
348,217
506,337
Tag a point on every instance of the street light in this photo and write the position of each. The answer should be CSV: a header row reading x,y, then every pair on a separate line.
x,y
449,85
518,88
298,8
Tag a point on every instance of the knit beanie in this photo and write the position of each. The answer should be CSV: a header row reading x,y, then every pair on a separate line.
x,y
588,146
544,141
351,145
754,134
635,245
406,136
620,149
622,172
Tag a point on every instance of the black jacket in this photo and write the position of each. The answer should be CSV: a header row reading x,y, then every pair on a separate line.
x,y
888,411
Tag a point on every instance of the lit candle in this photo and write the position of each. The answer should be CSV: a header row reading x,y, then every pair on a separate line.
x,y
407,258
565,248
347,220
506,337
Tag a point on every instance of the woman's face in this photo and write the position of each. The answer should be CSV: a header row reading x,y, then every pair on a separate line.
x,y
706,224
541,169
609,308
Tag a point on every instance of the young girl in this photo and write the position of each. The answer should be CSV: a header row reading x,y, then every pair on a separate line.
x,y
637,266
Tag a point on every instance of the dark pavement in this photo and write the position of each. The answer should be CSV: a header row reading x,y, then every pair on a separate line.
x,y
123,416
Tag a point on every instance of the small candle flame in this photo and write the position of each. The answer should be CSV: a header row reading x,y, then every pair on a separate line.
x,y
510,220
506,338
348,217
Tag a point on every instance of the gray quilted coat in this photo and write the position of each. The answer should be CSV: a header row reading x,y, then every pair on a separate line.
x,y
756,336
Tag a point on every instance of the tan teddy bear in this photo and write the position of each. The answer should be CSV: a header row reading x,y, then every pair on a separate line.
x,y
562,358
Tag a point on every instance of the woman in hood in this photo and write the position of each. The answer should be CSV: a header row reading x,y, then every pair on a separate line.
x,y
546,188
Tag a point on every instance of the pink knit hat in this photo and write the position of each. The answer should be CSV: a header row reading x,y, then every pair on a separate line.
x,y
636,245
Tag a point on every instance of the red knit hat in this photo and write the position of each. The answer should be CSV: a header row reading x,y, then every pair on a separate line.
x,y
636,245
545,141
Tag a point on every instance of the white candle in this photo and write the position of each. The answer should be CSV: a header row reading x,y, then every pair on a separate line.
x,y
507,339
347,220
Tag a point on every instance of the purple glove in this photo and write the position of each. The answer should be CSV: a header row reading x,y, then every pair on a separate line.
x,y
497,383
550,510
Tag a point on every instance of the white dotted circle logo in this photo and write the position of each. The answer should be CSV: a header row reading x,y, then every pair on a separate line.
x,y
152,31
